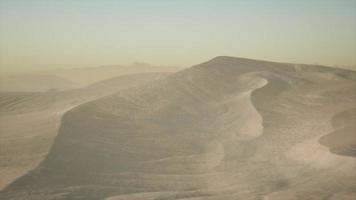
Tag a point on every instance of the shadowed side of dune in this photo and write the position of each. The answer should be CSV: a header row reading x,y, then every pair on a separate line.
x,y
29,121
343,139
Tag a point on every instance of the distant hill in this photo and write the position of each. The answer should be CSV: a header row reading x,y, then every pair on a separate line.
x,y
34,83
65,79
86,76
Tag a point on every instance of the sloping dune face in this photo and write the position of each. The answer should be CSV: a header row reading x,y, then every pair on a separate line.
x,y
343,139
230,128
29,121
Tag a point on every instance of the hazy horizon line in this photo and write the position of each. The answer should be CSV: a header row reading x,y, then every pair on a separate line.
x,y
22,70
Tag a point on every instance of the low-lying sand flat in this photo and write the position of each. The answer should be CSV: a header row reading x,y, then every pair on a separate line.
x,y
230,128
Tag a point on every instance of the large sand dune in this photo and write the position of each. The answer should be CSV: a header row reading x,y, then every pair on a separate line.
x,y
29,121
230,128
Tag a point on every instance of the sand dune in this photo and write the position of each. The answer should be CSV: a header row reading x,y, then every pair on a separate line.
x,y
230,128
342,140
29,121
87,76
34,83
67,79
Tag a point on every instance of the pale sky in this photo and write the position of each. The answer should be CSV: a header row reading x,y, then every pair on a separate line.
x,y
80,33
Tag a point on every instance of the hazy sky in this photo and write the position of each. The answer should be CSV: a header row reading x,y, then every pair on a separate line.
x,y
81,33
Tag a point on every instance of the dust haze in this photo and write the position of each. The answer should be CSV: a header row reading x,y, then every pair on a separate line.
x,y
177,100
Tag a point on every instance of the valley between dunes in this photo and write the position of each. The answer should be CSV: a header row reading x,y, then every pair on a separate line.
x,y
229,128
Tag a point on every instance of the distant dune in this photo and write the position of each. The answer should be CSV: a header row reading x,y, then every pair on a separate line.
x,y
65,79
34,83
229,128
86,76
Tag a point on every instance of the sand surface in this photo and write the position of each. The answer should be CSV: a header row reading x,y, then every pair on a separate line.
x,y
230,128
29,121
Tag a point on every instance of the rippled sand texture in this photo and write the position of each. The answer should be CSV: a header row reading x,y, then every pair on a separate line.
x,y
229,128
